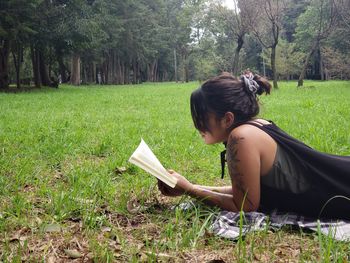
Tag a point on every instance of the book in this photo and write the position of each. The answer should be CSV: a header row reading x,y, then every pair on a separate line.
x,y
144,158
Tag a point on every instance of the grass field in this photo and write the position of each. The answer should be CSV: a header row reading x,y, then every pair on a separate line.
x,y
64,195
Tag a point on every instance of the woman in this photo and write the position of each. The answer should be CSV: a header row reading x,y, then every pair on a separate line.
x,y
268,168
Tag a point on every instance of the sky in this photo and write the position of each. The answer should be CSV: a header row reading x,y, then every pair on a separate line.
x,y
229,3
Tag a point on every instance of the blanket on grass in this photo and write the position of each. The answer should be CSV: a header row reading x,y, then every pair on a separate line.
x,y
227,224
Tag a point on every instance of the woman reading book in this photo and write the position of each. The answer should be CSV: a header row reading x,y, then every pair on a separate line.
x,y
268,168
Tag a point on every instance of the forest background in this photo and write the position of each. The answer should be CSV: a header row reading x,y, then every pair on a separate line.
x,y
43,42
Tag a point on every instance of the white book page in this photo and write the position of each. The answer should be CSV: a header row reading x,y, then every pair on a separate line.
x,y
144,158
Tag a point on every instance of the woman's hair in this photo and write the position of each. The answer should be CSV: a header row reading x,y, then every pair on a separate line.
x,y
226,93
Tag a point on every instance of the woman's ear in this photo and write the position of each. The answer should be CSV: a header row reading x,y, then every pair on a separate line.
x,y
229,119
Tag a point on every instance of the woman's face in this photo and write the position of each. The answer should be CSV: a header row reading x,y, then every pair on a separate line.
x,y
218,131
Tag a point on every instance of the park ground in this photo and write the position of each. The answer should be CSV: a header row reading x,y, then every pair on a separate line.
x,y
68,193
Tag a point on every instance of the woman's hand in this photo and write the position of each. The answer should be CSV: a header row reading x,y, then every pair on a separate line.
x,y
182,185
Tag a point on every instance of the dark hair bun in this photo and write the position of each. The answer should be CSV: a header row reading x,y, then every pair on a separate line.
x,y
264,85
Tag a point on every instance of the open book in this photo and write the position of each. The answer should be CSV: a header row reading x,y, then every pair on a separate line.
x,y
144,158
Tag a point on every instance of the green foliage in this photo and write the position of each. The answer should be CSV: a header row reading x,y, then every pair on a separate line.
x,y
288,59
205,67
290,18
336,62
81,33
312,23
215,48
16,19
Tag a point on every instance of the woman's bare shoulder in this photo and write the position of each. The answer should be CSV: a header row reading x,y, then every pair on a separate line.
x,y
249,139
251,134
249,130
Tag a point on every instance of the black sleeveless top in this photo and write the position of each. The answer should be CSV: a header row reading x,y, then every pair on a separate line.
x,y
326,193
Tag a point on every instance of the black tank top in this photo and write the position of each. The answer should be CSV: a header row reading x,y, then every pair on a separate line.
x,y
326,193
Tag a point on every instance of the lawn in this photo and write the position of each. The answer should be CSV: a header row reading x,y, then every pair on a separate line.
x,y
67,191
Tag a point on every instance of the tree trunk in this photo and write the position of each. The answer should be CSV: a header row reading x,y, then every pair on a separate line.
x,y
44,74
110,67
75,77
114,68
126,73
321,66
117,71
175,66
104,73
91,72
104,68
122,72
84,68
61,67
155,71
35,65
187,70
138,73
306,63
165,76
87,71
152,71
235,64
17,63
4,59
134,69
273,67
148,72
184,65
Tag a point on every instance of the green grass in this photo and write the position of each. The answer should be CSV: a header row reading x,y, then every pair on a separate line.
x,y
59,150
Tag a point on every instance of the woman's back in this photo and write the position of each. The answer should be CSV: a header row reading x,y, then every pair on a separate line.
x,y
304,180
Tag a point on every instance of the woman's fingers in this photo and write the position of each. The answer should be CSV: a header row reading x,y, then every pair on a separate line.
x,y
163,188
168,191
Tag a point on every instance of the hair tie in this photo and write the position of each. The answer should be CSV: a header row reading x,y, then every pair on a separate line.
x,y
250,83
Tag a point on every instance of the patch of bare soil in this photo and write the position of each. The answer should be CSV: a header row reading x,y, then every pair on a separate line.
x,y
50,244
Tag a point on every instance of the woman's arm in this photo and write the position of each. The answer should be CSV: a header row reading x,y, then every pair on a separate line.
x,y
223,200
244,163
220,189
183,186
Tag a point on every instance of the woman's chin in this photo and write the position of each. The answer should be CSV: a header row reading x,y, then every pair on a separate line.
x,y
205,140
208,141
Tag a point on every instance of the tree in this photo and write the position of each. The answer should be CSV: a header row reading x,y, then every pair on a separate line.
x,y
343,10
83,33
293,10
337,64
265,23
16,26
236,22
4,59
213,53
314,26
180,19
288,59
